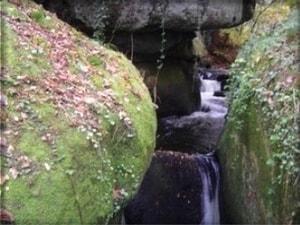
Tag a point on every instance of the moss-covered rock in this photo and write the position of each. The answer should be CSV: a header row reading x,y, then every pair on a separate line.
x,y
79,126
259,149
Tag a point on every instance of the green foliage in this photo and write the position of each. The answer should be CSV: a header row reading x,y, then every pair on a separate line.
x,y
94,60
265,74
37,15
266,19
263,120
262,75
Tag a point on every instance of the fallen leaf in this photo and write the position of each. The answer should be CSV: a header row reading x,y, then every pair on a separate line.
x,y
3,179
111,68
6,217
14,172
23,116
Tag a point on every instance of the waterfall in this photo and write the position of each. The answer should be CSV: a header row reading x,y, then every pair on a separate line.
x,y
209,171
210,86
181,185
178,188
217,109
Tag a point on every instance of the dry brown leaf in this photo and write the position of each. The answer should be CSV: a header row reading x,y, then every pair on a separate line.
x,y
14,172
24,116
111,68
3,178
6,217
25,162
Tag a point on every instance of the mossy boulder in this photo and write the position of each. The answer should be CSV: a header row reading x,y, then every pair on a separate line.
x,y
259,149
78,124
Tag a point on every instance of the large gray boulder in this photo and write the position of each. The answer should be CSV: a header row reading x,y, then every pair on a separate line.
x,y
145,14
138,23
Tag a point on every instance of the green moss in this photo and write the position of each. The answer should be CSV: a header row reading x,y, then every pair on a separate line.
x,y
97,81
39,151
33,196
246,160
258,147
32,62
94,60
38,16
12,10
8,45
84,161
45,111
83,174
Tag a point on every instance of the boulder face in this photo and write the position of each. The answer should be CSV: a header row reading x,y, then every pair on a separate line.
x,y
176,91
172,191
77,123
259,149
137,15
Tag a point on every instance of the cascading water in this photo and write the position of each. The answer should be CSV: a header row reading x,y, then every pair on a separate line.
x,y
182,184
209,171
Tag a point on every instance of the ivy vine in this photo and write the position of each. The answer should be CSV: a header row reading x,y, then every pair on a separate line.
x,y
264,74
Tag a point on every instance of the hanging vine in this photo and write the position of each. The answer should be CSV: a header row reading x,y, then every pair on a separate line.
x,y
160,60
200,13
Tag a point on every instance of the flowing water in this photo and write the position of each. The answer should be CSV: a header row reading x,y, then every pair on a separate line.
x,y
182,184
210,189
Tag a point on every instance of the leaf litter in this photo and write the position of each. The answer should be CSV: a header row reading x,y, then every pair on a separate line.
x,y
72,93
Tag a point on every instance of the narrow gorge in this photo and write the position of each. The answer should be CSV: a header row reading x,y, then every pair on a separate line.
x,y
182,184
150,112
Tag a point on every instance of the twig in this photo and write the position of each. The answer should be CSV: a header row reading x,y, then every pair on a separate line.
x,y
131,54
259,15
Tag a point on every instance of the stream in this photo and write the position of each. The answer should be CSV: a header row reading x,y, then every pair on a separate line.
x,y
181,185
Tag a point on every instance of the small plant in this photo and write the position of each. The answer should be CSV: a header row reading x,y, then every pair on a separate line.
x,y
94,60
38,15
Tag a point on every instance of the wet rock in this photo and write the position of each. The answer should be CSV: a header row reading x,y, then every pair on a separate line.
x,y
173,191
174,89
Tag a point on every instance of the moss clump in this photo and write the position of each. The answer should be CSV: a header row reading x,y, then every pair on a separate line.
x,y
243,159
81,127
262,127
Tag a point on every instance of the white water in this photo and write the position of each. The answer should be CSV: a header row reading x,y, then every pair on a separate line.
x,y
210,86
210,190
216,109
213,112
